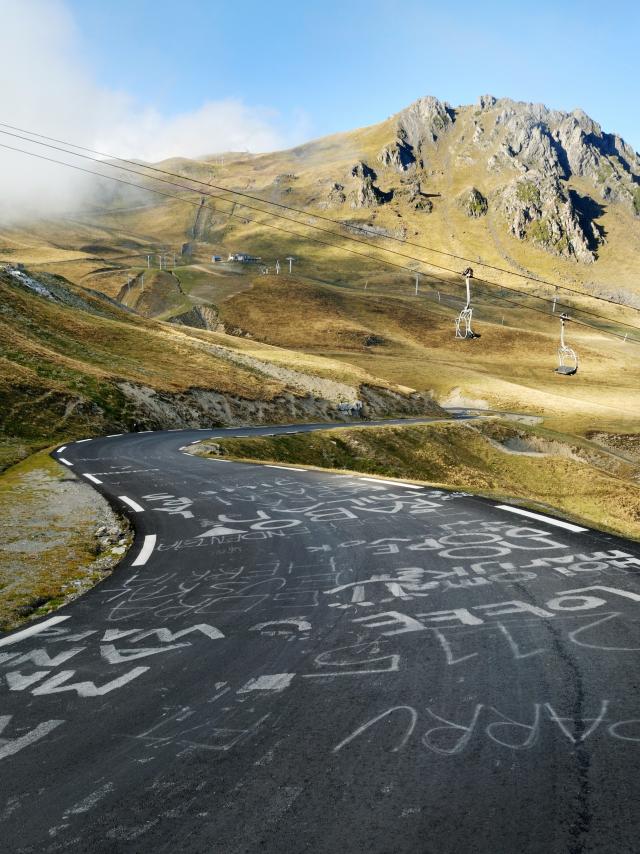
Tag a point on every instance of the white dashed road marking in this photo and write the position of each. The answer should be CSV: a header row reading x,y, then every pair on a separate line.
x,y
66,462
92,478
287,468
32,630
60,450
146,550
133,504
540,518
80,441
392,483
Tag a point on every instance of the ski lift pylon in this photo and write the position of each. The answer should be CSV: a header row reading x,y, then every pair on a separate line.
x,y
567,356
463,320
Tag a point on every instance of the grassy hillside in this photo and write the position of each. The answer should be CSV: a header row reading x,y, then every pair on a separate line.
x,y
575,479
75,363
555,198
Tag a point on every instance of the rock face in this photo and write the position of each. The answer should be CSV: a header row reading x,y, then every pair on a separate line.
x,y
399,155
412,195
555,172
334,198
537,209
424,122
365,193
473,203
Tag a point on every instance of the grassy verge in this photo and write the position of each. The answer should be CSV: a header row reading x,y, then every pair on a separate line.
x,y
574,480
59,537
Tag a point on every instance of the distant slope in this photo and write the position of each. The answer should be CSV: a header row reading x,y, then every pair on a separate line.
x,y
508,183
73,361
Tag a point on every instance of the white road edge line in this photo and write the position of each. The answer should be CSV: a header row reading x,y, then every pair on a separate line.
x,y
558,522
391,482
32,630
66,462
60,450
80,441
133,504
92,478
111,435
287,468
146,550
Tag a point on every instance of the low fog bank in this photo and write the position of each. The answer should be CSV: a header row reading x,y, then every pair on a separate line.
x,y
47,88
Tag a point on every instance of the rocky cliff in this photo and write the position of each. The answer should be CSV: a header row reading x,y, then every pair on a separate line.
x,y
547,175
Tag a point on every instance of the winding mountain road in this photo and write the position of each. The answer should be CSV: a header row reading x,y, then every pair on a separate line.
x,y
297,661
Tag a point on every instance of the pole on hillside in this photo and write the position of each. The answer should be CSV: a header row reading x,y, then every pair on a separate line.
x,y
277,268
148,261
290,260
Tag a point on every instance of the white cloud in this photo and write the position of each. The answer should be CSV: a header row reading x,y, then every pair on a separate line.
x,y
46,86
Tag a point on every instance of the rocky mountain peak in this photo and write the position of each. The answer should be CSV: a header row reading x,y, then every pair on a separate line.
x,y
548,175
424,121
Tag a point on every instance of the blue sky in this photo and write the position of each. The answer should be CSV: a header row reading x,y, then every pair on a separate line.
x,y
328,66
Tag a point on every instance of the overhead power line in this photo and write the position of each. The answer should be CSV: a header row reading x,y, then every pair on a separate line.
x,y
360,229
233,204
385,261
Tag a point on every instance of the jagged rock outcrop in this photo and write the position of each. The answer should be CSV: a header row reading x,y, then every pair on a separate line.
x,y
412,195
486,102
562,145
537,209
424,122
361,170
365,193
473,203
398,155
334,198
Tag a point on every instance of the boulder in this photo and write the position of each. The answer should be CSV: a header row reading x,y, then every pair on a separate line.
x,y
473,203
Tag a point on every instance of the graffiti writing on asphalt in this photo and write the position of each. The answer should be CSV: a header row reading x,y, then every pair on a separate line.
x,y
451,735
94,652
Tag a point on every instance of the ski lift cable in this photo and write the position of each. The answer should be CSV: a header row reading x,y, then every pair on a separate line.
x,y
303,225
296,221
282,206
194,203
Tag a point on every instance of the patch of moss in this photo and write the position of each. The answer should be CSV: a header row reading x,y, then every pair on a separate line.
x,y
540,231
527,192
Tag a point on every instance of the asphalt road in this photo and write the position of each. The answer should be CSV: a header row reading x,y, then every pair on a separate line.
x,y
297,661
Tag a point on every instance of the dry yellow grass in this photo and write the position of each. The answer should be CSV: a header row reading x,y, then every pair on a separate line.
x,y
48,523
575,480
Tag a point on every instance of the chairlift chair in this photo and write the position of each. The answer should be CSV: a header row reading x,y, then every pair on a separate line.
x,y
463,321
567,356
